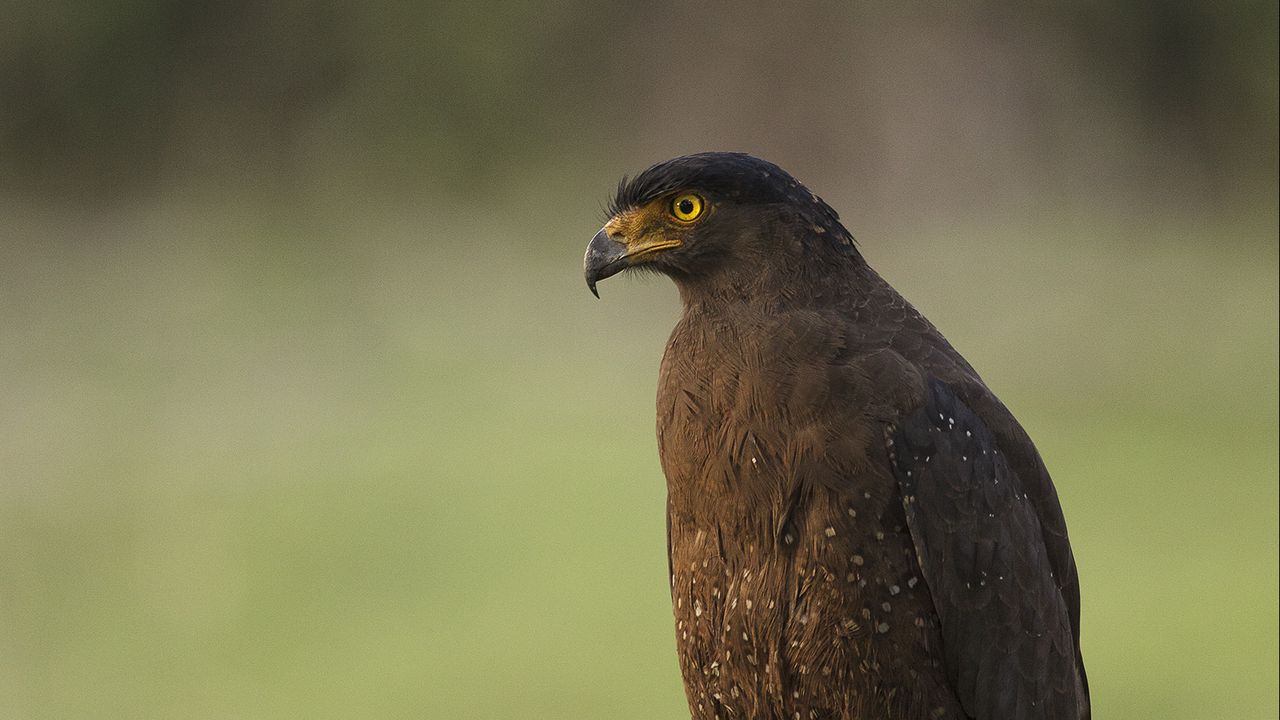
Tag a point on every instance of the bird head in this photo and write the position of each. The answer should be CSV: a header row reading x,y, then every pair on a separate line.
x,y
711,215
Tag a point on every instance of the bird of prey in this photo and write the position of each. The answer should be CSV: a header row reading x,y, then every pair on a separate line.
x,y
857,527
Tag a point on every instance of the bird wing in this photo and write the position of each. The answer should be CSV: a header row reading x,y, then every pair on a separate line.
x,y
1007,634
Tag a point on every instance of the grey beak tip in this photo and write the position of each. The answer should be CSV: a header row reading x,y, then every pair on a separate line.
x,y
605,257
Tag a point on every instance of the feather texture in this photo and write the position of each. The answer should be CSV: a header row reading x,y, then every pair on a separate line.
x,y
837,550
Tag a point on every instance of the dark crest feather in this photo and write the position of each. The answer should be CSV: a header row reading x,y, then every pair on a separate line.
x,y
728,177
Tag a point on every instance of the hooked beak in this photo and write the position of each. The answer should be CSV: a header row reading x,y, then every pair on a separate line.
x,y
605,257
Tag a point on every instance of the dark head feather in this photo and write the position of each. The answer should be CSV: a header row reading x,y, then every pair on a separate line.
x,y
727,177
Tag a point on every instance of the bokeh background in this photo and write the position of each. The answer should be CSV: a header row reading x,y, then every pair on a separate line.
x,y
306,412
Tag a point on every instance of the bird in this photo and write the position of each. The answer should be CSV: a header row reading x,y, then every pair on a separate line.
x,y
856,526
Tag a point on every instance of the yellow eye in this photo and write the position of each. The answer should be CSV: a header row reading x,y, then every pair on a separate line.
x,y
686,208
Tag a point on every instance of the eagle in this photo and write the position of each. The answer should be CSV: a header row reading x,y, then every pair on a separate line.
x,y
856,526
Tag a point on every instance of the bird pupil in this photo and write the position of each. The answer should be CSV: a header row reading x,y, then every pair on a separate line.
x,y
686,206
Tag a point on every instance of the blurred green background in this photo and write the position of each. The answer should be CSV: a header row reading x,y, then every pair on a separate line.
x,y
306,412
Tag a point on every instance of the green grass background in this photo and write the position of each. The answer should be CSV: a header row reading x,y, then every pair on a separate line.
x,y
405,466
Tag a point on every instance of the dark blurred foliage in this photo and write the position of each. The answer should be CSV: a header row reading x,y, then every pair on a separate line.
x,y
101,101
99,96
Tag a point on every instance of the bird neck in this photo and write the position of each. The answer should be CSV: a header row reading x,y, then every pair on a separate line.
x,y
792,281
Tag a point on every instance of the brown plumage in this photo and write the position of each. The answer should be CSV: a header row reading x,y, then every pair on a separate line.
x,y
857,527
